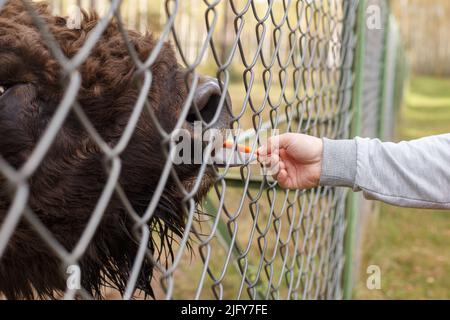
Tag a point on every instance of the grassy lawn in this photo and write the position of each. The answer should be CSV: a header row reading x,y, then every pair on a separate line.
x,y
412,247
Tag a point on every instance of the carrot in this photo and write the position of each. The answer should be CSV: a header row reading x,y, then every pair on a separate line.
x,y
241,148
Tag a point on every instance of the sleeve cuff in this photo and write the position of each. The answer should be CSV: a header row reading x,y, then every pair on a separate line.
x,y
339,163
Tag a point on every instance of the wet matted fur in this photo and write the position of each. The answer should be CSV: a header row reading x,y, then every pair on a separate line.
x,y
67,185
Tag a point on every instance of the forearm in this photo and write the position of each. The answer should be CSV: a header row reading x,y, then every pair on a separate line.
x,y
410,174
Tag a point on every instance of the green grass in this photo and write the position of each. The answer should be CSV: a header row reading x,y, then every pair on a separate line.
x,y
412,247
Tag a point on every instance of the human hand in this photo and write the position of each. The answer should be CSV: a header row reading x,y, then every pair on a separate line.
x,y
295,160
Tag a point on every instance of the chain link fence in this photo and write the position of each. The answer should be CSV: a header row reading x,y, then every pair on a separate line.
x,y
186,232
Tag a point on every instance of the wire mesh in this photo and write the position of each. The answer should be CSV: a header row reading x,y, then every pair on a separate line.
x,y
287,65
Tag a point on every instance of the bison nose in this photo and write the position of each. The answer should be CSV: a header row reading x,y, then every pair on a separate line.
x,y
213,106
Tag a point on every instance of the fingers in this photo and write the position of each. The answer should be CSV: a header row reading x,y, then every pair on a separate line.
x,y
277,143
267,160
269,156
277,170
283,178
265,149
274,143
283,153
272,164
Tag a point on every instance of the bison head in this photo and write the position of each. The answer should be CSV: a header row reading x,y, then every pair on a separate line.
x,y
66,186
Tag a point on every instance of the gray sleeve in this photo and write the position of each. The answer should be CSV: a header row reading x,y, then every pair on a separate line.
x,y
408,174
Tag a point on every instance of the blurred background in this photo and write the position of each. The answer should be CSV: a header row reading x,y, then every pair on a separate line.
x,y
410,246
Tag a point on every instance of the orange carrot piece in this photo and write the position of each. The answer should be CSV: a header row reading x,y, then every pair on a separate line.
x,y
242,148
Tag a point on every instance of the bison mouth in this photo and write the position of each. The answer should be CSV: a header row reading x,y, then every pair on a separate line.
x,y
209,121
211,111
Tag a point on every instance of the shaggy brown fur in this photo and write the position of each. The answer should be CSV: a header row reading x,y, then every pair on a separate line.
x,y
68,184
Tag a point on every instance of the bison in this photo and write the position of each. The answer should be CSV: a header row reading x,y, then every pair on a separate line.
x,y
67,185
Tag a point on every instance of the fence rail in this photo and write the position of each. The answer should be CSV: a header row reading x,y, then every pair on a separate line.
x,y
312,67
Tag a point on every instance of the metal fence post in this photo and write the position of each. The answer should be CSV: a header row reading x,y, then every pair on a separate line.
x,y
386,75
401,74
352,205
387,116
